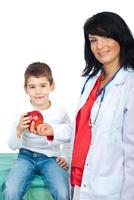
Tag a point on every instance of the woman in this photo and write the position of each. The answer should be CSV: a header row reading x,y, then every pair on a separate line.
x,y
107,170
102,166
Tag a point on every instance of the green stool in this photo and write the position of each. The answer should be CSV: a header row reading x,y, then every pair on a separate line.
x,y
37,191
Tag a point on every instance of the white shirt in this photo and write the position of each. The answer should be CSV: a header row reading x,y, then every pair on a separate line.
x,y
55,116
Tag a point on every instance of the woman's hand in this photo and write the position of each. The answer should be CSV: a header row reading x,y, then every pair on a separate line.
x,y
42,129
62,162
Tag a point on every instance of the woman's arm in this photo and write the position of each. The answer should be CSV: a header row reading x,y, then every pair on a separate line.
x,y
128,139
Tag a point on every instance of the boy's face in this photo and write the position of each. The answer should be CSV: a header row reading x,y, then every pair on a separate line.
x,y
38,90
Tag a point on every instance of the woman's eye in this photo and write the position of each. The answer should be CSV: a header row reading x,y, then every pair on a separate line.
x,y
92,41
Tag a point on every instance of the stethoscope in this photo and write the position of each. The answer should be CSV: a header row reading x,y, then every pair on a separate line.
x,y
101,92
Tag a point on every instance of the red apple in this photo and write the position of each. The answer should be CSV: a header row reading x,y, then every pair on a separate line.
x,y
35,116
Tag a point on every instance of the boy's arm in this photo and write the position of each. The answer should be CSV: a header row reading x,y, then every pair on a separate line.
x,y
15,139
13,142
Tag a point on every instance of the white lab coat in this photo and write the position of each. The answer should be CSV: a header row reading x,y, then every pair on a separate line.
x,y
109,167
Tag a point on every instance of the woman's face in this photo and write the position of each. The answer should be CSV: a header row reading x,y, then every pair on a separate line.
x,y
106,50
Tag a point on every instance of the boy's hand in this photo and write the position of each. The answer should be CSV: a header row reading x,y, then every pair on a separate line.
x,y
62,162
23,124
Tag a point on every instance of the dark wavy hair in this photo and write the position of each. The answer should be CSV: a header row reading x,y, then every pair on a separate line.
x,y
110,25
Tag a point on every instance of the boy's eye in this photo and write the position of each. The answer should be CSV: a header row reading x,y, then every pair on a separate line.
x,y
31,87
43,85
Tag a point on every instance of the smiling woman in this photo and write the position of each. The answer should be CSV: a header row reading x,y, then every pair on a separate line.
x,y
106,112
106,51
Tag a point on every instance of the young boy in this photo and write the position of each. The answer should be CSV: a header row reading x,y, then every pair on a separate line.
x,y
37,155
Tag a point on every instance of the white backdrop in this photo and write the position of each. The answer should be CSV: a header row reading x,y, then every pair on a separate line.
x,y
49,31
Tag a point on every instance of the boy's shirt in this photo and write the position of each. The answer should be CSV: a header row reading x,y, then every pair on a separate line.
x,y
55,115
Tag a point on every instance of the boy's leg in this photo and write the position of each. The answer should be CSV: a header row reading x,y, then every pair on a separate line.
x,y
56,177
18,179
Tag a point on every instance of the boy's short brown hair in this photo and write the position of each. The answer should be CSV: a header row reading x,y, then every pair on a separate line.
x,y
38,69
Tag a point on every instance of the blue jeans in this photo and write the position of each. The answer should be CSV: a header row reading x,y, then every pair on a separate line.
x,y
24,170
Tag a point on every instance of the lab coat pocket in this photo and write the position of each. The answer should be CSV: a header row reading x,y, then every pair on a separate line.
x,y
105,186
113,136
